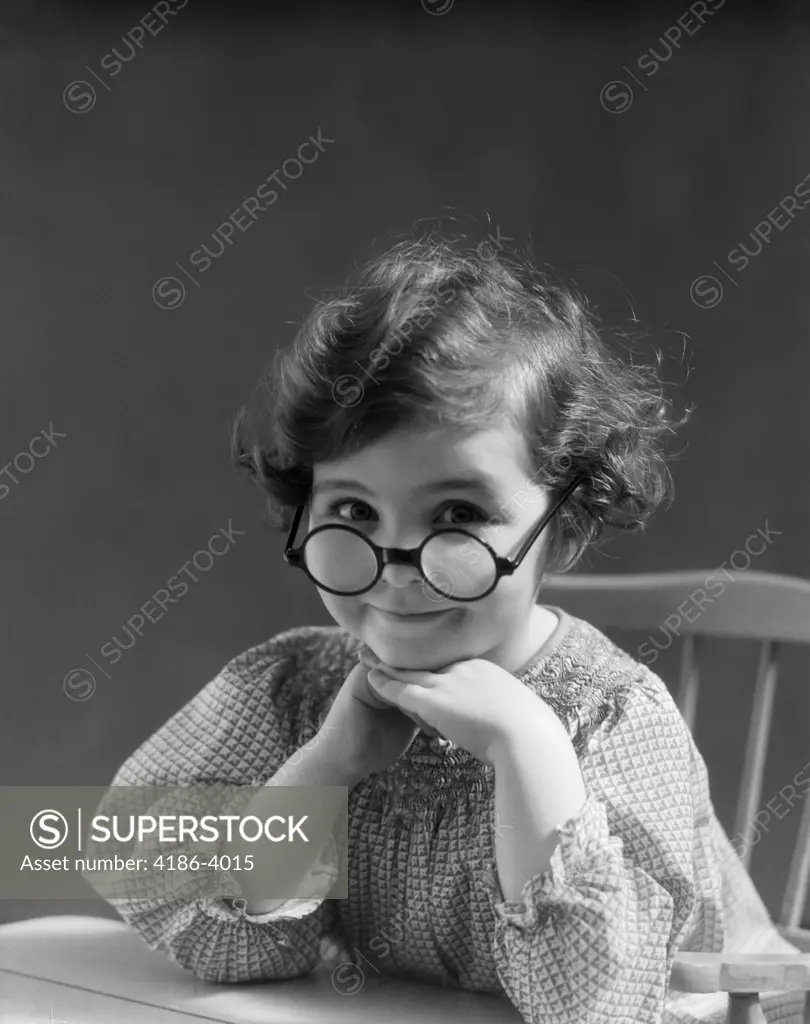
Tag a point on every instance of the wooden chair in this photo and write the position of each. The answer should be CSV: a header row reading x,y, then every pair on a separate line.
x,y
756,605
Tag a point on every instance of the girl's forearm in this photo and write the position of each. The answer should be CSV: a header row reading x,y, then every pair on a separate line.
x,y
538,786
315,764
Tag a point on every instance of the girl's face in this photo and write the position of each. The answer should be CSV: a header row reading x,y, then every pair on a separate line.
x,y
390,491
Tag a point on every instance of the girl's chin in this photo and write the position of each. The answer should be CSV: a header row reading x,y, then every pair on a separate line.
x,y
424,658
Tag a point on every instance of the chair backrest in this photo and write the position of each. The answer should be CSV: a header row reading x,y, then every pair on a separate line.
x,y
752,605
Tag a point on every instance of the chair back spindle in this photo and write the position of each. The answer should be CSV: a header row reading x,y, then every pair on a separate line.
x,y
767,607
688,681
756,750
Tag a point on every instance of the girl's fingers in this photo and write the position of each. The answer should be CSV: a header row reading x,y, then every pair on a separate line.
x,y
377,675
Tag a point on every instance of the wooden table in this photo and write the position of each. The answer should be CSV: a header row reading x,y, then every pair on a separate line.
x,y
89,970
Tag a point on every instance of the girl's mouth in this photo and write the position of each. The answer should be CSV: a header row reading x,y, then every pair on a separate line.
x,y
413,620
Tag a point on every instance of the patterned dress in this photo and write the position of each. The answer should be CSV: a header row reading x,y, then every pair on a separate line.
x,y
643,870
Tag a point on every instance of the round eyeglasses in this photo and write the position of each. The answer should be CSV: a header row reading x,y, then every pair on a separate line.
x,y
455,564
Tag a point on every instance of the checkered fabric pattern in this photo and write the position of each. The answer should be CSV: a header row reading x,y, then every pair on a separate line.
x,y
643,870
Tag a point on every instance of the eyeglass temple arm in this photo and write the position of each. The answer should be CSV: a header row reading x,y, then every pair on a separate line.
x,y
510,565
292,556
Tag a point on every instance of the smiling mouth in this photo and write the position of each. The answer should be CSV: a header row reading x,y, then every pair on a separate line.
x,y
416,617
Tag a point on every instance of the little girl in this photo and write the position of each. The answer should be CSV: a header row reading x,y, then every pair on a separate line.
x,y
528,813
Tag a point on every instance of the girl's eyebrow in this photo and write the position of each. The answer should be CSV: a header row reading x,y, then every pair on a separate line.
x,y
483,484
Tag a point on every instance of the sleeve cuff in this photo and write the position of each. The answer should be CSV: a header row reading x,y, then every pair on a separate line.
x,y
317,885
224,909
584,840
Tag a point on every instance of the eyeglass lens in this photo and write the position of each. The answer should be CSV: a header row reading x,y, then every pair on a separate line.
x,y
456,565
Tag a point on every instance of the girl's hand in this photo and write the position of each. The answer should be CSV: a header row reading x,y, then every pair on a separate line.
x,y
473,703
366,733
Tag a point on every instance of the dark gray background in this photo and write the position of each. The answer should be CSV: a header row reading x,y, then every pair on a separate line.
x,y
492,109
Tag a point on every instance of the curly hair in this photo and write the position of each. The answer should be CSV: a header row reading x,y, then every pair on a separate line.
x,y
438,333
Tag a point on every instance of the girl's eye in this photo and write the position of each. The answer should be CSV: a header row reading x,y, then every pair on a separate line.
x,y
477,516
332,510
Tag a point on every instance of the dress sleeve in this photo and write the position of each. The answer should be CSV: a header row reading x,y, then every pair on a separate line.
x,y
593,938
321,879
248,720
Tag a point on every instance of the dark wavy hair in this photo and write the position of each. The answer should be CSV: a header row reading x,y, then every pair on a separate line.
x,y
437,332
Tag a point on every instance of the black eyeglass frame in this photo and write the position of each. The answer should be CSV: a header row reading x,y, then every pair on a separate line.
x,y
413,556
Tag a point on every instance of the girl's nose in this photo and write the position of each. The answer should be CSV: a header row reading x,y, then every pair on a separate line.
x,y
400,575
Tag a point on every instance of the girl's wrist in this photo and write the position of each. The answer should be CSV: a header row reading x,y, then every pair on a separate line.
x,y
340,766
544,728
320,762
